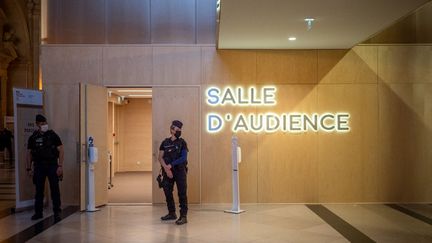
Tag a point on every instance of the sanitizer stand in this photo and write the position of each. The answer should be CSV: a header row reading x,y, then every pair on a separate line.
x,y
92,159
236,159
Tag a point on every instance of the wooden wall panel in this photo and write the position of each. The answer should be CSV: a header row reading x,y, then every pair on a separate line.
x,y
96,112
110,137
176,65
358,65
136,135
228,66
216,161
177,103
405,141
127,65
71,65
288,162
127,22
405,64
348,162
79,22
287,67
173,21
62,111
385,157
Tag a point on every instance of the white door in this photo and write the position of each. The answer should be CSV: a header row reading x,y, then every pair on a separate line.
x,y
93,122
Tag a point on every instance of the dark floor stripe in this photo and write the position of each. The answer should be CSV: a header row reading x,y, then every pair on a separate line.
x,y
40,226
344,228
411,213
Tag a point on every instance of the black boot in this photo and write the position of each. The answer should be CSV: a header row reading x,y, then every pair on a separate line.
x,y
181,220
169,216
37,216
57,217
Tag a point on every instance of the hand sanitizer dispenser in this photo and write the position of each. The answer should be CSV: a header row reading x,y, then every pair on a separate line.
x,y
92,152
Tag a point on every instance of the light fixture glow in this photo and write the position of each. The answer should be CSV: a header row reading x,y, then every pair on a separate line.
x,y
134,90
292,38
309,22
140,95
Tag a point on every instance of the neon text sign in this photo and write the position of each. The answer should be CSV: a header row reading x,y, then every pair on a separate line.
x,y
269,122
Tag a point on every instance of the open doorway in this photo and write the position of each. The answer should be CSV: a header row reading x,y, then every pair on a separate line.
x,y
130,145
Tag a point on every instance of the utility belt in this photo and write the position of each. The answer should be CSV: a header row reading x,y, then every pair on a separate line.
x,y
45,162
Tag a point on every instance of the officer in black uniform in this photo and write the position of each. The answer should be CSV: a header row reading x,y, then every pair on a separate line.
x,y
45,151
173,159
6,137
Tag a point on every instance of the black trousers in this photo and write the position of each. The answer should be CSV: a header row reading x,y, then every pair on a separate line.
x,y
180,179
42,171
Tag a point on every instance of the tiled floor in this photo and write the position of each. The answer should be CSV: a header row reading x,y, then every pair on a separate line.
x,y
208,223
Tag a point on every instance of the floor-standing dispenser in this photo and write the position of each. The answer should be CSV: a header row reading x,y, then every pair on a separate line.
x,y
236,159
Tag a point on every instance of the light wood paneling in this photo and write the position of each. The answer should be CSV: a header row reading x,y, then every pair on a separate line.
x,y
177,103
127,65
348,161
405,142
71,65
136,135
405,64
62,111
216,158
358,65
94,108
287,67
385,157
110,135
177,65
288,162
228,66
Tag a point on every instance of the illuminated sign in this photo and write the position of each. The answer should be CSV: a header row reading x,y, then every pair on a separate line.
x,y
292,122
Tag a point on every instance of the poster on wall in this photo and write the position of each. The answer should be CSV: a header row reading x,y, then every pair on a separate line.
x,y
27,104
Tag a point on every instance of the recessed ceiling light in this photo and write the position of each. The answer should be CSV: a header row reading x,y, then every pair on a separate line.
x,y
292,38
309,22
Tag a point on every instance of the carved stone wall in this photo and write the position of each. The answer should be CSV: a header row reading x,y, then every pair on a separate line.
x,y
19,49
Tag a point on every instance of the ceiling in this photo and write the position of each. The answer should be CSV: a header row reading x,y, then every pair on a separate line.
x,y
339,24
131,92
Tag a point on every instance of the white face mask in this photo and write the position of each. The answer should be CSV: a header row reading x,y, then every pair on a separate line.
x,y
44,128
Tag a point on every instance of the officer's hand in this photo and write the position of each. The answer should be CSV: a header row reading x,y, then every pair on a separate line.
x,y
30,173
59,171
169,172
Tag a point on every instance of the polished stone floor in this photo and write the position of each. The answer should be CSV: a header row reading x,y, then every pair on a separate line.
x,y
123,181
208,223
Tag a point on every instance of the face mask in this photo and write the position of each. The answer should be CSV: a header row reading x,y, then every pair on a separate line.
x,y
177,134
44,128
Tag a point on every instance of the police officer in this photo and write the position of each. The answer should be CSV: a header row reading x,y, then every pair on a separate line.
x,y
173,159
45,151
6,143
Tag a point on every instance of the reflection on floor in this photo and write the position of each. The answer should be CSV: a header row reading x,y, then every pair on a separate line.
x,y
131,187
260,223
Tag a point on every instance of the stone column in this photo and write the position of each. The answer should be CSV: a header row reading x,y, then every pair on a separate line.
x,y
34,23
